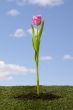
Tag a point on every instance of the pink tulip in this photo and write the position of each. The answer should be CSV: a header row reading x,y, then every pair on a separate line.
x,y
36,20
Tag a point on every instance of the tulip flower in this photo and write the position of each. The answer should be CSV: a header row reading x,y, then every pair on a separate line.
x,y
36,37
36,20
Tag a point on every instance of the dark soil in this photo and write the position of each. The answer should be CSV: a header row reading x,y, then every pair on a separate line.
x,y
33,96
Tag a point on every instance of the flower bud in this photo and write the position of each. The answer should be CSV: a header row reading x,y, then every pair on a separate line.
x,y
36,20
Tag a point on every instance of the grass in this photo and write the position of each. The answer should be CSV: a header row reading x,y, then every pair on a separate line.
x,y
8,102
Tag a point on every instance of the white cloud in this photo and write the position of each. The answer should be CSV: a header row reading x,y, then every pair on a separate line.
x,y
13,12
68,57
46,2
9,78
39,2
6,70
6,78
19,33
45,58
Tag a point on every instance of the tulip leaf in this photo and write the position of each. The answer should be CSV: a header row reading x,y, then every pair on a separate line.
x,y
32,29
35,56
33,37
35,42
41,29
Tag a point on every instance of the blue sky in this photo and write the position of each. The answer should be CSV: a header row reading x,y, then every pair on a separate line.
x,y
17,66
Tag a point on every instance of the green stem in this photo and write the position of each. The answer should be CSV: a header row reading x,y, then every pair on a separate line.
x,y
37,75
37,70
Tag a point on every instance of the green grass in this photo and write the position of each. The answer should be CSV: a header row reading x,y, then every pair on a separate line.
x,y
8,102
